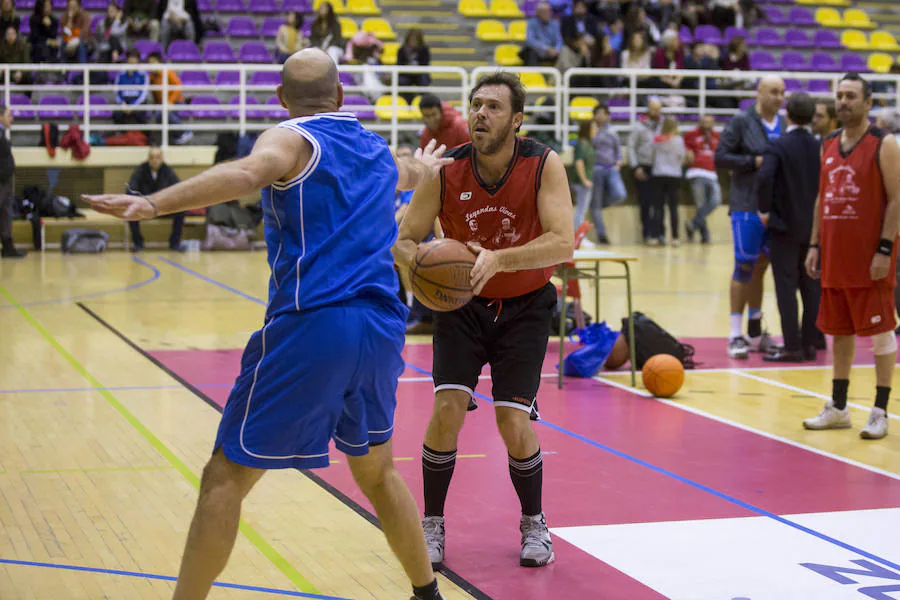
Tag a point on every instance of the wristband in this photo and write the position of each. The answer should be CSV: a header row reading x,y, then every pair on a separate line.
x,y
153,204
885,246
816,246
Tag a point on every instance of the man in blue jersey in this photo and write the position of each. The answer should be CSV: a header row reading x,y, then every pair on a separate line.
x,y
325,364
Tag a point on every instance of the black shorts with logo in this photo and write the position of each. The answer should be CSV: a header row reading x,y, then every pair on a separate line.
x,y
509,334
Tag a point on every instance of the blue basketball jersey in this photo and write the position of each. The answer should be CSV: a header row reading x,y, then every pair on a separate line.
x,y
329,231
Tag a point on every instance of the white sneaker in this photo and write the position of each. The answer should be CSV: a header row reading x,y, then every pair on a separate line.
x,y
763,344
829,418
877,427
738,347
537,547
434,540
587,244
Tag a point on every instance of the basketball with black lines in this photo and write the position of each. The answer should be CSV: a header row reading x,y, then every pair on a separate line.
x,y
441,275
663,375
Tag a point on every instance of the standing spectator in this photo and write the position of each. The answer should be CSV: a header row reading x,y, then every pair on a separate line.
x,y
110,35
640,157
579,24
724,13
44,34
290,38
175,98
616,33
442,123
325,32
670,55
15,50
608,187
7,181
636,21
414,52
703,57
668,160
179,19
8,16
543,39
701,145
141,17
583,168
76,32
825,119
149,178
131,91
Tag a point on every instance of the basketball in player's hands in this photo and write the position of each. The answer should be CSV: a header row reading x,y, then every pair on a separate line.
x,y
440,275
663,375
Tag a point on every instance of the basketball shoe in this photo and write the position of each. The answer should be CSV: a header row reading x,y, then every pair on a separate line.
x,y
537,547
877,427
738,347
829,418
434,540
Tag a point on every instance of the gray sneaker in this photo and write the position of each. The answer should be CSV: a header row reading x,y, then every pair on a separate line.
x,y
434,540
739,348
537,547
763,344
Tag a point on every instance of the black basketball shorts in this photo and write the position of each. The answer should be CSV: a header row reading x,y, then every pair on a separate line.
x,y
509,334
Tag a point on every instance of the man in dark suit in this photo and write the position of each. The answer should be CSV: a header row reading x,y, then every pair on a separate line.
x,y
7,179
787,186
579,25
148,178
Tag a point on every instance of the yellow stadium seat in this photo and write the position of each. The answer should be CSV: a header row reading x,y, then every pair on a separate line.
x,y
517,30
531,79
380,27
507,55
337,5
389,53
854,39
506,9
348,27
581,108
880,62
384,111
491,31
414,111
473,8
363,7
883,40
829,17
853,17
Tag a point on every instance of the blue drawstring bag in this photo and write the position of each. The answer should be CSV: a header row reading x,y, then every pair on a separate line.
x,y
597,340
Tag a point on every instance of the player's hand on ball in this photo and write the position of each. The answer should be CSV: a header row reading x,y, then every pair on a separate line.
x,y
812,263
486,266
122,206
880,266
432,158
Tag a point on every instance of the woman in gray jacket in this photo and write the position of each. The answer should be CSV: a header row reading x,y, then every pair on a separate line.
x,y
668,159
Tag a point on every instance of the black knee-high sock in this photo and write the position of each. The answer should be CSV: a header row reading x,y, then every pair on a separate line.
x,y
437,471
839,389
527,477
882,394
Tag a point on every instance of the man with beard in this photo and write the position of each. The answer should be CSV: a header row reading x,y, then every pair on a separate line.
x,y
508,199
825,119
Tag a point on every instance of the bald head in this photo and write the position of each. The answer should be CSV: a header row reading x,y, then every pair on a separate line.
x,y
769,96
654,109
309,82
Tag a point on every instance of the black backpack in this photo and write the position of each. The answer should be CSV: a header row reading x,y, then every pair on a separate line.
x,y
84,241
651,339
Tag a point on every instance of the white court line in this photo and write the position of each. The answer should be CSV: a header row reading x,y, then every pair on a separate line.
x,y
803,391
424,378
765,434
784,368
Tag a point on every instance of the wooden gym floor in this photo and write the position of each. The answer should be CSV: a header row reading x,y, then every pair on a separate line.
x,y
113,368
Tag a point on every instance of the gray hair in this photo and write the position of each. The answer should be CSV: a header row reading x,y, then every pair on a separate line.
x,y
890,119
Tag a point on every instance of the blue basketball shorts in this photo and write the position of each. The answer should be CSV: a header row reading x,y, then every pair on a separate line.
x,y
307,378
751,238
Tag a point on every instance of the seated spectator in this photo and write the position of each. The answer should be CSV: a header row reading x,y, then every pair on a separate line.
x,y
175,98
636,21
76,32
637,56
15,50
735,59
749,14
703,57
670,55
724,13
543,40
179,19
581,25
131,91
110,35
693,13
414,51
606,11
575,53
662,12
44,34
603,56
365,49
149,178
8,16
325,32
442,123
290,38
616,33
141,17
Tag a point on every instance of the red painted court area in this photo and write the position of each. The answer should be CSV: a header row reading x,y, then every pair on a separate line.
x,y
611,458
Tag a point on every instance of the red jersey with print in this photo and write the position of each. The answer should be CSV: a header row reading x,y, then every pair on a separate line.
x,y
703,145
852,203
498,216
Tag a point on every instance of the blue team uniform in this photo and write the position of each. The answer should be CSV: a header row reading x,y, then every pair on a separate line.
x,y
326,362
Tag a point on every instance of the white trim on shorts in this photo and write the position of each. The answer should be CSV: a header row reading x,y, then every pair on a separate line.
x,y
363,445
521,407
454,386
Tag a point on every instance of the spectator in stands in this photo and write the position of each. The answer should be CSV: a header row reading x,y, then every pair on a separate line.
x,y
110,35
580,24
44,34
670,55
131,91
701,144
176,99
290,38
724,13
7,181
693,13
141,17
736,59
616,33
15,50
637,56
603,56
582,169
442,123
636,21
703,57
640,157
661,12
606,11
325,33
669,156
543,39
414,52
76,32
8,16
575,53
149,178
824,119
179,19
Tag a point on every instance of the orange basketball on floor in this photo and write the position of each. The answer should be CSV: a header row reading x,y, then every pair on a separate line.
x,y
441,274
663,375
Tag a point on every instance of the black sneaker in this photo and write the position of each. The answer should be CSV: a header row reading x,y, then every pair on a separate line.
x,y
12,252
689,230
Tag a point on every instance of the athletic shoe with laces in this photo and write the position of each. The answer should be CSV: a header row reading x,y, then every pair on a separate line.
x,y
877,427
738,347
764,344
434,540
829,418
537,547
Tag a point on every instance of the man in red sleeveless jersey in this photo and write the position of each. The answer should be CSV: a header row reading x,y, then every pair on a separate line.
x,y
508,199
853,250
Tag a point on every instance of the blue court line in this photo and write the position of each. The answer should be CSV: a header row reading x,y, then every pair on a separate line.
x,y
156,275
126,388
633,459
212,281
234,586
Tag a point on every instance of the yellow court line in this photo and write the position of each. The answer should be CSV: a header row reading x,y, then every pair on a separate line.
x,y
301,582
95,469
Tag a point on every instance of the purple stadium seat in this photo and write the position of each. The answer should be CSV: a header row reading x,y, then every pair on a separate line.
x,y
59,4
529,7
823,62
228,78
265,78
235,113
346,78
730,32
825,38
774,16
254,52
96,19
95,5
792,85
274,110
796,38
218,52
183,51
307,28
29,4
204,113
361,113
145,47
25,27
685,35
818,86
304,6
801,17
16,100
766,37
621,103
708,34
763,61
853,62
241,27
205,6
794,61
746,103
99,107
195,78
265,7
54,113
230,6
270,26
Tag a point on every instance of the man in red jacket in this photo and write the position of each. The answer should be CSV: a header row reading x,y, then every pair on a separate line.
x,y
701,145
442,123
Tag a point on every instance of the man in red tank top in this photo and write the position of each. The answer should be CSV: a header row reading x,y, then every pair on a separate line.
x,y
853,250
508,199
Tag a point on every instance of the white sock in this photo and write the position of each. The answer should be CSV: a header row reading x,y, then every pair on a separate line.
x,y
409,299
736,326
